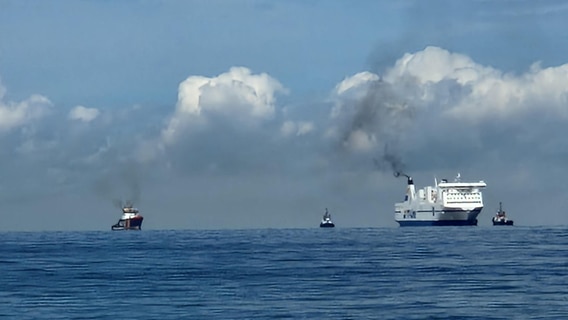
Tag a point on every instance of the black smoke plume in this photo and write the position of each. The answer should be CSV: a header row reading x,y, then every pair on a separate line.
x,y
385,113
120,186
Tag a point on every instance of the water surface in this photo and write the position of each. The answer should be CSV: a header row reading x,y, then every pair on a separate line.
x,y
379,273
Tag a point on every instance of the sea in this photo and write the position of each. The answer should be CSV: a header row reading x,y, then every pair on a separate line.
x,y
342,273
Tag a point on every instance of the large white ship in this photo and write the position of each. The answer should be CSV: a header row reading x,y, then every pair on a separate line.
x,y
445,204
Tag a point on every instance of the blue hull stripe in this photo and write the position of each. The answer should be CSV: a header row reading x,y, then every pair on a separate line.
x,y
418,223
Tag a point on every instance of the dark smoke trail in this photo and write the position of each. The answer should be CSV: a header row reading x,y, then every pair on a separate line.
x,y
120,186
389,161
384,113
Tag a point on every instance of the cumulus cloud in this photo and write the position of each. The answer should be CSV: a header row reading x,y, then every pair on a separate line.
x,y
83,114
17,114
432,109
370,114
237,96
360,141
490,92
434,98
355,82
478,92
300,128
350,89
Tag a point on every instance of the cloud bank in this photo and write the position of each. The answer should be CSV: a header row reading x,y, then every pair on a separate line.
x,y
430,99
433,111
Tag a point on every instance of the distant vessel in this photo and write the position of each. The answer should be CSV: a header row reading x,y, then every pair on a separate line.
x,y
445,204
326,220
130,220
500,218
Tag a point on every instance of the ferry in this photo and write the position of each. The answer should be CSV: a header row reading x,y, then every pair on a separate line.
x,y
444,204
326,220
130,219
500,218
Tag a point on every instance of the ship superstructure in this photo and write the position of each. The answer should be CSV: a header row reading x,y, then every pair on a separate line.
x,y
444,204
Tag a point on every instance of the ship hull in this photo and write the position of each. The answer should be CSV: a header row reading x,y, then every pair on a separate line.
x,y
327,225
424,223
439,218
502,223
128,224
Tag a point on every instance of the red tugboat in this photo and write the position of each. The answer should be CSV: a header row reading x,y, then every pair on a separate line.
x,y
130,220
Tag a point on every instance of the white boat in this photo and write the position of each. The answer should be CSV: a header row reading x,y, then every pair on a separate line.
x,y
130,219
326,220
444,204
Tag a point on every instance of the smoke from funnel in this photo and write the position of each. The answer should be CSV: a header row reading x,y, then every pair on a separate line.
x,y
389,160
117,203
120,186
383,114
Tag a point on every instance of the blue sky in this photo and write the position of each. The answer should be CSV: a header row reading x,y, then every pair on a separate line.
x,y
240,114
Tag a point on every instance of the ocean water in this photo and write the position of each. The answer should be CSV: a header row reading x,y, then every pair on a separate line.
x,y
375,273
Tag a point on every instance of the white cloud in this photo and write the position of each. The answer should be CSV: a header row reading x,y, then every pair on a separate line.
x,y
351,88
491,93
369,111
300,128
84,114
435,64
355,81
238,96
17,114
435,95
360,141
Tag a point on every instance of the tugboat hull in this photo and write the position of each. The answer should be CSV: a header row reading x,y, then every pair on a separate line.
x,y
503,223
128,224
327,225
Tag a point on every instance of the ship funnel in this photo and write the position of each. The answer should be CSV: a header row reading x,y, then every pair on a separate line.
x,y
410,190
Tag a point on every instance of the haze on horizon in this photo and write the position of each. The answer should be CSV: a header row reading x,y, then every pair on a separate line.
x,y
261,114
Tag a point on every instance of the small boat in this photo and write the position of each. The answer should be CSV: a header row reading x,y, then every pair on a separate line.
x,y
326,220
130,219
500,218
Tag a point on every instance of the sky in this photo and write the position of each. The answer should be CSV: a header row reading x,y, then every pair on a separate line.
x,y
260,114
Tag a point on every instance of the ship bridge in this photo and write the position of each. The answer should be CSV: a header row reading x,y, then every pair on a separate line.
x,y
462,194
